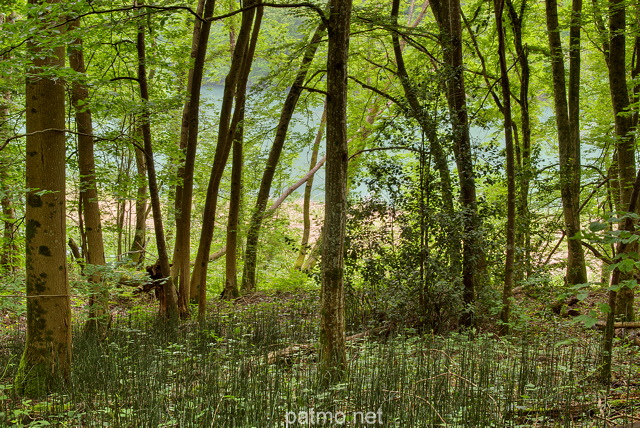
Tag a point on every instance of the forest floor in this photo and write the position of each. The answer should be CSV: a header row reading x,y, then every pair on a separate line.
x,y
225,372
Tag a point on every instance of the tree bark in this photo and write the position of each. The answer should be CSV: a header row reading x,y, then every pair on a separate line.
x,y
46,359
230,290
523,147
9,246
474,267
240,66
139,244
622,247
253,233
9,249
333,360
188,144
510,164
567,124
99,317
623,127
168,302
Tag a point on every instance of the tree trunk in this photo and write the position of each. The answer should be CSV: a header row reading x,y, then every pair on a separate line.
x,y
231,267
510,164
306,203
139,244
333,359
622,247
253,233
188,143
525,170
567,123
623,127
99,317
239,71
47,356
9,248
168,302
474,267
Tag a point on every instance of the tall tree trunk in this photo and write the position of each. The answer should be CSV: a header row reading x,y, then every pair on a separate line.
x,y
121,201
188,143
231,266
168,303
567,123
99,317
306,202
622,247
510,163
474,268
257,216
139,244
333,359
623,126
9,248
523,150
239,71
46,359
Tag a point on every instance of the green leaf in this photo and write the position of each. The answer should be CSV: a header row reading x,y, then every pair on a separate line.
x,y
596,226
588,320
626,265
604,307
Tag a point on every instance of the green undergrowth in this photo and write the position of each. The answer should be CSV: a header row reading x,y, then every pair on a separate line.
x,y
223,373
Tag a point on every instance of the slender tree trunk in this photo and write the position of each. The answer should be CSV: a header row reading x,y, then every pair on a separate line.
x,y
623,127
99,317
188,143
474,268
239,72
568,138
525,170
333,360
139,244
168,303
253,233
510,163
616,279
231,267
9,247
46,359
306,203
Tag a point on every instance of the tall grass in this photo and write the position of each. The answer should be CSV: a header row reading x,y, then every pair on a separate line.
x,y
217,375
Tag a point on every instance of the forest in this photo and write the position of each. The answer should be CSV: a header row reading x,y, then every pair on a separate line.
x,y
279,213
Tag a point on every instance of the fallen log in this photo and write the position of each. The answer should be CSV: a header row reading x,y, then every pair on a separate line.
x,y
626,324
